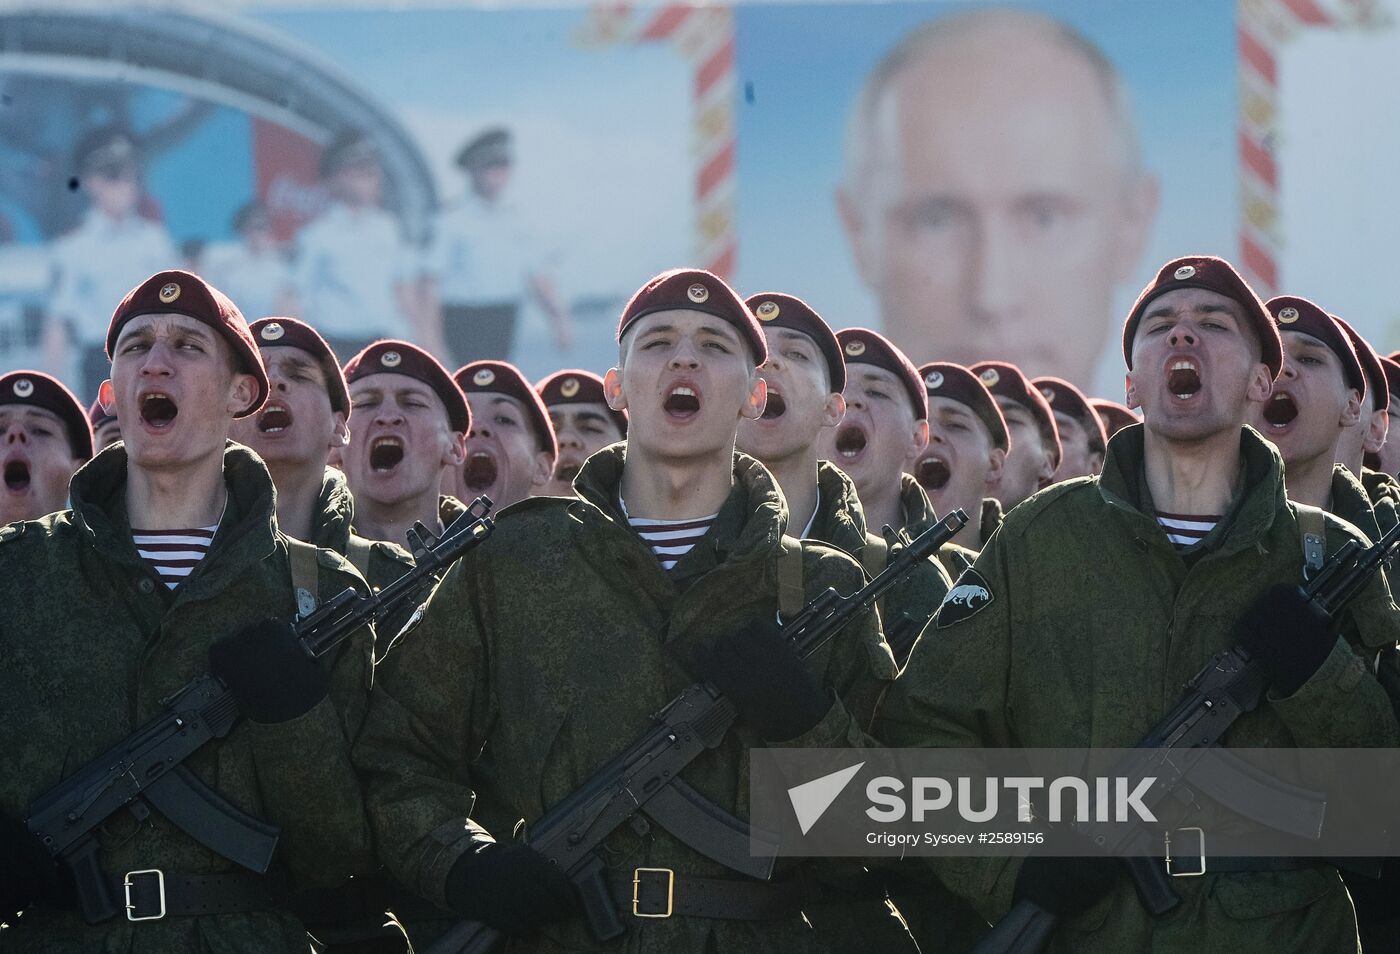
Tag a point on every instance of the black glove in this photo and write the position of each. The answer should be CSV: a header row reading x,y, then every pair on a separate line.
x,y
273,678
1288,634
760,672
28,873
512,888
1066,887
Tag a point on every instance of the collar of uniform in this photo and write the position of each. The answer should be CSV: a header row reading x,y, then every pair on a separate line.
x,y
990,518
839,521
918,509
1350,502
1123,485
1380,486
335,512
246,533
750,523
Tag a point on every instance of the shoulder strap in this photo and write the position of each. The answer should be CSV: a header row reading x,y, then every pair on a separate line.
x,y
875,555
792,595
358,551
1314,527
306,575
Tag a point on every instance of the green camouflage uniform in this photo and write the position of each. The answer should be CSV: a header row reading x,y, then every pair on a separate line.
x,y
384,562
1091,624
93,640
545,652
840,522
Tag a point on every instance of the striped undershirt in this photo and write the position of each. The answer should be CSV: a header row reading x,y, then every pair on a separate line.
x,y
669,539
1186,530
173,553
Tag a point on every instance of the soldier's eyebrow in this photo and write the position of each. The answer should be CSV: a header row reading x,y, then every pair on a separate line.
x,y
591,416
720,331
509,402
958,411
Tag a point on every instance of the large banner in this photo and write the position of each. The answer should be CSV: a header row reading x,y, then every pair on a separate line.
x,y
978,181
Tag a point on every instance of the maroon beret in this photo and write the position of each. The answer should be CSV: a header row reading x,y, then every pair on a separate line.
x,y
501,377
863,346
1212,274
1392,374
291,333
1068,399
399,357
776,310
37,389
574,386
1115,416
177,292
694,289
947,380
1292,313
1370,365
1006,380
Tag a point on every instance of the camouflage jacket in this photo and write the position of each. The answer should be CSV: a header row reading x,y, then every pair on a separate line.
x,y
93,640
544,653
379,561
1085,626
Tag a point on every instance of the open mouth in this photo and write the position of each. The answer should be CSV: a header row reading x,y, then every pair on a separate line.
x,y
850,441
1281,410
682,403
566,472
158,410
932,473
385,453
1183,379
17,476
274,419
481,471
775,408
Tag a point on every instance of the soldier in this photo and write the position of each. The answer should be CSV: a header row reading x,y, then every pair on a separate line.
x,y
1035,441
967,446
546,650
44,438
170,565
582,421
1113,415
1081,433
410,429
102,418
1315,400
1387,459
1089,612
306,415
511,447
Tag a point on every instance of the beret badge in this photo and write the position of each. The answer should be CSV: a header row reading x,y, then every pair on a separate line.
x,y
23,387
483,377
272,331
855,348
391,359
1287,316
934,379
698,293
169,292
568,388
1184,272
767,311
990,377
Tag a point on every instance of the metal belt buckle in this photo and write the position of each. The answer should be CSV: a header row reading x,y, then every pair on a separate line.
x,y
637,891
127,883
1200,853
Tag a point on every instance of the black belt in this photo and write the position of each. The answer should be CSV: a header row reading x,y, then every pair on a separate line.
x,y
151,894
661,893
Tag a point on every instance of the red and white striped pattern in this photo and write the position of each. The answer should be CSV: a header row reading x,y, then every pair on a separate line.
x,y
1264,27
704,35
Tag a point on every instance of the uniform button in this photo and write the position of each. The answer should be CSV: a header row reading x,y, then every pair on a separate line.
x,y
146,586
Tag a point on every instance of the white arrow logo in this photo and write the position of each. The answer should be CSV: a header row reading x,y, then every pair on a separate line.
x,y
810,800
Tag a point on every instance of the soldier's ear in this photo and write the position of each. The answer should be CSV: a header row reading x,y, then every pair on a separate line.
x,y
1351,411
456,453
1376,434
612,390
834,410
242,393
757,400
918,440
543,469
107,396
1261,384
996,466
340,431
1130,397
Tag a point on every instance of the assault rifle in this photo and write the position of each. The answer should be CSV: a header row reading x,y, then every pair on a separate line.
x,y
145,770
1230,685
645,776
